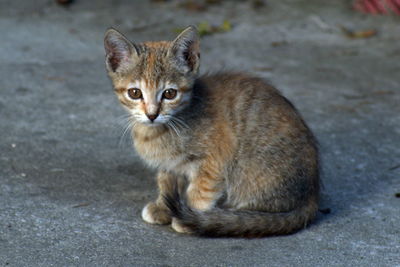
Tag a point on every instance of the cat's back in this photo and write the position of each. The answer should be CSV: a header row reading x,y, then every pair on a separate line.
x,y
245,99
222,85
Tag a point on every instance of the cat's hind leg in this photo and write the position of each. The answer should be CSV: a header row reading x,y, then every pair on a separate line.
x,y
204,189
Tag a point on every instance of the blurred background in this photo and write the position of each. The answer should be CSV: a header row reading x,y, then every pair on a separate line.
x,y
72,188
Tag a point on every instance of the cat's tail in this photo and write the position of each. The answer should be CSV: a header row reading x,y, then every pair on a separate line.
x,y
239,223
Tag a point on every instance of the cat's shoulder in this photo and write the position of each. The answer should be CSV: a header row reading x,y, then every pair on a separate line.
x,y
235,81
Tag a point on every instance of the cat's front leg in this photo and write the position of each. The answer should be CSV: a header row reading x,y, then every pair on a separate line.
x,y
156,212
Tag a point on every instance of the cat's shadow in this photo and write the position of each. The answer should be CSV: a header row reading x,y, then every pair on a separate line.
x,y
119,180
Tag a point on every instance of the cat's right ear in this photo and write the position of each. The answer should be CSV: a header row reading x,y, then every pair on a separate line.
x,y
120,52
185,50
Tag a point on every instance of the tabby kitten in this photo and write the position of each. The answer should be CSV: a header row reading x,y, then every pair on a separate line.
x,y
234,157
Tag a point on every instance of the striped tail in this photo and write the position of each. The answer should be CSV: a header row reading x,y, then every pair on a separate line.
x,y
238,223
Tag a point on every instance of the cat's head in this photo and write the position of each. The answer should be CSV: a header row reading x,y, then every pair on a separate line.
x,y
153,80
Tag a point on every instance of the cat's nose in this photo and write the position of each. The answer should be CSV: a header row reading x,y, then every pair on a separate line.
x,y
152,117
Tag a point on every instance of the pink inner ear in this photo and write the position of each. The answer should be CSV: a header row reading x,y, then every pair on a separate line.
x,y
188,54
114,61
190,59
117,51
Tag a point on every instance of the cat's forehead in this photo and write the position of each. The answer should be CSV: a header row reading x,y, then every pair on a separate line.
x,y
154,67
154,56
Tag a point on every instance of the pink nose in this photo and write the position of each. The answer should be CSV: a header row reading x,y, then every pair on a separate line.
x,y
152,117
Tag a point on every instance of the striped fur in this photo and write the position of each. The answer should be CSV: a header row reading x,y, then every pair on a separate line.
x,y
234,156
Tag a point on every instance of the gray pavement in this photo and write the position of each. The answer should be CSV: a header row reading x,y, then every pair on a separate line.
x,y
71,188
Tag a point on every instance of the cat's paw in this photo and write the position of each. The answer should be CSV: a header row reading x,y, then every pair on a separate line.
x,y
156,214
178,227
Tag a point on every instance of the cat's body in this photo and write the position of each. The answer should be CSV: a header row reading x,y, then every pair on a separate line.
x,y
234,156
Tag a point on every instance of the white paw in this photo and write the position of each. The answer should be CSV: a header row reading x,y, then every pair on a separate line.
x,y
180,228
146,216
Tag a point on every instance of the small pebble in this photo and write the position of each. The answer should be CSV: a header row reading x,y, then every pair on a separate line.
x,y
64,2
13,145
325,211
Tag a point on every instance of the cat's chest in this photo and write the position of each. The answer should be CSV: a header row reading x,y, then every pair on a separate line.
x,y
166,154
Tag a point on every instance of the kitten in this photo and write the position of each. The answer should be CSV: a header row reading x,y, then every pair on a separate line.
x,y
234,157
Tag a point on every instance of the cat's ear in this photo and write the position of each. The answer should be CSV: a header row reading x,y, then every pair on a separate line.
x,y
185,51
120,52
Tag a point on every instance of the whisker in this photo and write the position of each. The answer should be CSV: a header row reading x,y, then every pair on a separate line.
x,y
181,122
174,127
177,125
125,118
126,128
129,124
170,127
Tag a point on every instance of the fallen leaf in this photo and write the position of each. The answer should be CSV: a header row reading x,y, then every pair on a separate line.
x,y
256,4
193,6
325,211
226,26
64,2
279,43
54,78
204,28
383,92
213,2
358,34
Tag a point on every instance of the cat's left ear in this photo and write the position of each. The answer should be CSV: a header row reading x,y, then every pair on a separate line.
x,y
185,51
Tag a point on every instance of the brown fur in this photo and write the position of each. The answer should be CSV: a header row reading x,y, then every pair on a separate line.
x,y
234,156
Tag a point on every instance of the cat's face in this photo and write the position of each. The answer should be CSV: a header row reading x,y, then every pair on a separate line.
x,y
153,80
156,103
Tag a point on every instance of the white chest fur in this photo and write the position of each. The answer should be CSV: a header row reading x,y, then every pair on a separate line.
x,y
166,154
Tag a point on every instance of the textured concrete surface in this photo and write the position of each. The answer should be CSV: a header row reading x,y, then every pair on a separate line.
x,y
71,189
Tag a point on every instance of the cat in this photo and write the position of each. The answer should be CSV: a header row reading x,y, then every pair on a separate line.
x,y
234,157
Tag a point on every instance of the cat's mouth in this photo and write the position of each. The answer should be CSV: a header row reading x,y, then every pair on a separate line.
x,y
160,120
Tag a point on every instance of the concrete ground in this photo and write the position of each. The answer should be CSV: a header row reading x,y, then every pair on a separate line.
x,y
71,188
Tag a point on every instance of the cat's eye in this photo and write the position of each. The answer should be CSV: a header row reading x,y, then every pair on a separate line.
x,y
135,93
170,93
